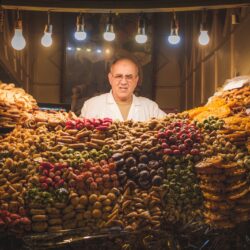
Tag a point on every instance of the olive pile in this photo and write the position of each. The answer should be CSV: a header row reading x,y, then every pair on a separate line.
x,y
183,199
211,123
143,171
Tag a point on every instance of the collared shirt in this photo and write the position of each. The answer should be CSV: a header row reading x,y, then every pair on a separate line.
x,y
102,106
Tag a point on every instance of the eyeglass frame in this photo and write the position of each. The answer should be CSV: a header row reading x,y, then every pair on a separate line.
x,y
119,77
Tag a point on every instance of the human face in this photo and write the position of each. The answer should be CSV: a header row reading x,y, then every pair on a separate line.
x,y
123,78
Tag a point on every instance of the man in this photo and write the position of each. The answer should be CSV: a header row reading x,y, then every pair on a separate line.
x,y
120,103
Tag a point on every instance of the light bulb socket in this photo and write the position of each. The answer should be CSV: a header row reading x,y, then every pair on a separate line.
x,y
174,32
141,26
109,28
174,24
174,28
80,23
48,28
19,24
203,27
110,19
141,31
80,28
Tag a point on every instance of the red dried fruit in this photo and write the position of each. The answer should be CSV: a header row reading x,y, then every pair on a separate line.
x,y
114,177
61,182
176,152
194,151
46,172
182,147
57,178
93,186
99,180
51,174
58,173
42,179
106,177
14,216
168,133
167,151
161,135
44,186
102,128
49,181
89,180
79,126
164,145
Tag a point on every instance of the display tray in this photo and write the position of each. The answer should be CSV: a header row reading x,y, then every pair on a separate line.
x,y
237,238
107,239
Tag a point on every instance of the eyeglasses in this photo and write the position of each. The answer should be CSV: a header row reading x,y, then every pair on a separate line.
x,y
128,78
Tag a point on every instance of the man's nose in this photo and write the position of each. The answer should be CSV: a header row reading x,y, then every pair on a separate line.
x,y
124,79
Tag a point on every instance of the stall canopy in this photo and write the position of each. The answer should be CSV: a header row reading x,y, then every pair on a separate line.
x,y
128,6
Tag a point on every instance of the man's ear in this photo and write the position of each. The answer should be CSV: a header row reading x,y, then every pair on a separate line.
x,y
137,80
110,77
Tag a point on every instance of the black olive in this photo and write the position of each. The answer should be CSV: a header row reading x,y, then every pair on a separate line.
x,y
144,174
143,159
120,162
123,180
161,172
145,184
133,171
152,164
130,161
157,180
142,166
152,172
122,174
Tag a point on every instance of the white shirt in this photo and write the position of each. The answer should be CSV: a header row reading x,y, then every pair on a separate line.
x,y
103,106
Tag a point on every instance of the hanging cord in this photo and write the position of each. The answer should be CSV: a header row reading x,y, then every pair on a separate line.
x,y
1,20
48,18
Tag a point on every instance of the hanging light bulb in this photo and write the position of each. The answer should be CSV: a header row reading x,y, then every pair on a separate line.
x,y
174,37
18,42
109,34
141,36
46,40
80,34
203,38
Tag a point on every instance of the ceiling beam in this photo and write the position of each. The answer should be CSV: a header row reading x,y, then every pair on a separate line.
x,y
117,6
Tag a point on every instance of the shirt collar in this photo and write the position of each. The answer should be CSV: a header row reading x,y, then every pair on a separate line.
x,y
111,100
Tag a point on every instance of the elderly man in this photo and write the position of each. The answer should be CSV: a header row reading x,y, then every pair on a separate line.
x,y
121,103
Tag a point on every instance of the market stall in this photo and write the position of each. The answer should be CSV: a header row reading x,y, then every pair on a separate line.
x,y
181,182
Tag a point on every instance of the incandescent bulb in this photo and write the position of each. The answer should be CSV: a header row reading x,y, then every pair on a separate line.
x,y
174,39
46,40
203,38
18,42
139,38
80,35
109,36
